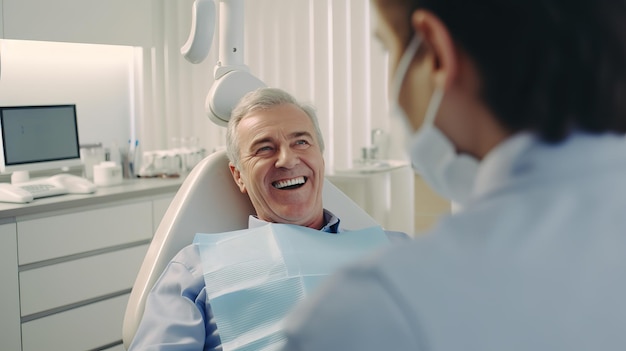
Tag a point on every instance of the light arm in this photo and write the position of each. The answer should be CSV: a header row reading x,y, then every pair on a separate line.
x,y
232,77
231,34
198,45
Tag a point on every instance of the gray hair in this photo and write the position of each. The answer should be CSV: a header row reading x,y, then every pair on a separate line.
x,y
262,99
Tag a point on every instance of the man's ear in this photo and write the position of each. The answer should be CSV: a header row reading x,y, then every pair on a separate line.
x,y
237,177
438,40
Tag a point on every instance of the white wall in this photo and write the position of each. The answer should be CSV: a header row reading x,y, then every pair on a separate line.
x,y
97,78
171,92
119,22
322,51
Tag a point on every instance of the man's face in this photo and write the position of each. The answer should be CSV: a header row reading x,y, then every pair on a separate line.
x,y
282,167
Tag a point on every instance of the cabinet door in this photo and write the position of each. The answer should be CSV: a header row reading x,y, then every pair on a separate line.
x,y
119,22
79,281
76,233
89,327
9,303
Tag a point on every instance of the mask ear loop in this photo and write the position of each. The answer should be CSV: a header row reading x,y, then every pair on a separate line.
x,y
403,66
400,75
433,106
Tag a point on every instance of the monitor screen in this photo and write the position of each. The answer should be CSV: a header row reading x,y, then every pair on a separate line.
x,y
38,137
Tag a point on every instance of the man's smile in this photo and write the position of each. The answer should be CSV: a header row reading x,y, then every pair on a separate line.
x,y
287,184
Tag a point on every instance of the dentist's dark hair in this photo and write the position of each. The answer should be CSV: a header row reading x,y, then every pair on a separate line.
x,y
550,66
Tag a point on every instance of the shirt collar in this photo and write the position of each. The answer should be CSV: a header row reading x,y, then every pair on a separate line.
x,y
499,163
331,222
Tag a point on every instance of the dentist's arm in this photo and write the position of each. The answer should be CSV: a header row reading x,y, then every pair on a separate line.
x,y
348,313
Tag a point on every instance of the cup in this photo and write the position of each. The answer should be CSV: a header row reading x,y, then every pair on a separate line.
x,y
91,155
107,173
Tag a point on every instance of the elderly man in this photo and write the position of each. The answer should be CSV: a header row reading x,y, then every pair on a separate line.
x,y
275,147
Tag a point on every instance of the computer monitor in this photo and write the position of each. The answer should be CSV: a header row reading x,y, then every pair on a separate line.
x,y
36,138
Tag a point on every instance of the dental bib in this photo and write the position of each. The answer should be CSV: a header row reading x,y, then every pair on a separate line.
x,y
254,277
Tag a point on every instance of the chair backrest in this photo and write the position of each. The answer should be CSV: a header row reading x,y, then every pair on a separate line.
x,y
208,201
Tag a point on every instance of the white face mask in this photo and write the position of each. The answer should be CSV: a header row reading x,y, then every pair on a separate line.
x,y
433,155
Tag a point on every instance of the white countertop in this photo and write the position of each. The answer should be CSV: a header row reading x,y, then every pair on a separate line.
x,y
127,190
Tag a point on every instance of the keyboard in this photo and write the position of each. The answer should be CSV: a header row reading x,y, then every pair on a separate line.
x,y
42,188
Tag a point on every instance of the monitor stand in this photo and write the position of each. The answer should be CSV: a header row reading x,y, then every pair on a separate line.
x,y
20,177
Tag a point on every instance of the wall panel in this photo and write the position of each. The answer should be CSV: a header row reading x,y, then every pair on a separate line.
x,y
322,51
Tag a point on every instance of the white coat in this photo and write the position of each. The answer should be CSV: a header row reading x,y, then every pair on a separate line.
x,y
535,261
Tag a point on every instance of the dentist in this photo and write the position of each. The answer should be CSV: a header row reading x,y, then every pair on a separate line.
x,y
517,110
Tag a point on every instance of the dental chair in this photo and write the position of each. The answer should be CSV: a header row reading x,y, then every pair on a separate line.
x,y
208,201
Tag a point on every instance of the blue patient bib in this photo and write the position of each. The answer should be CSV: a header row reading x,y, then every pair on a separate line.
x,y
254,277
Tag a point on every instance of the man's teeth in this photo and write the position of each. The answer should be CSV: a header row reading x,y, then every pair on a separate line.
x,y
289,182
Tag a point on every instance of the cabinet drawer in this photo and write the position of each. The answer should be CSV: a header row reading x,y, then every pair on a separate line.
x,y
62,235
84,328
74,281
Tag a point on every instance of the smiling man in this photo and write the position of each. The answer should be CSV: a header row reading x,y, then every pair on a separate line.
x,y
275,148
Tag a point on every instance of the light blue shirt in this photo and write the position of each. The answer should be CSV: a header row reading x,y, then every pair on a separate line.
x,y
178,314
535,261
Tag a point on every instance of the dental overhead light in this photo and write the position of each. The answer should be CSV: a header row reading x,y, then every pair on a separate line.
x,y
232,77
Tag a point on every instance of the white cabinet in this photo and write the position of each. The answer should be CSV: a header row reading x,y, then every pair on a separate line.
x,y
87,327
67,274
78,280
120,22
83,231
10,337
85,261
